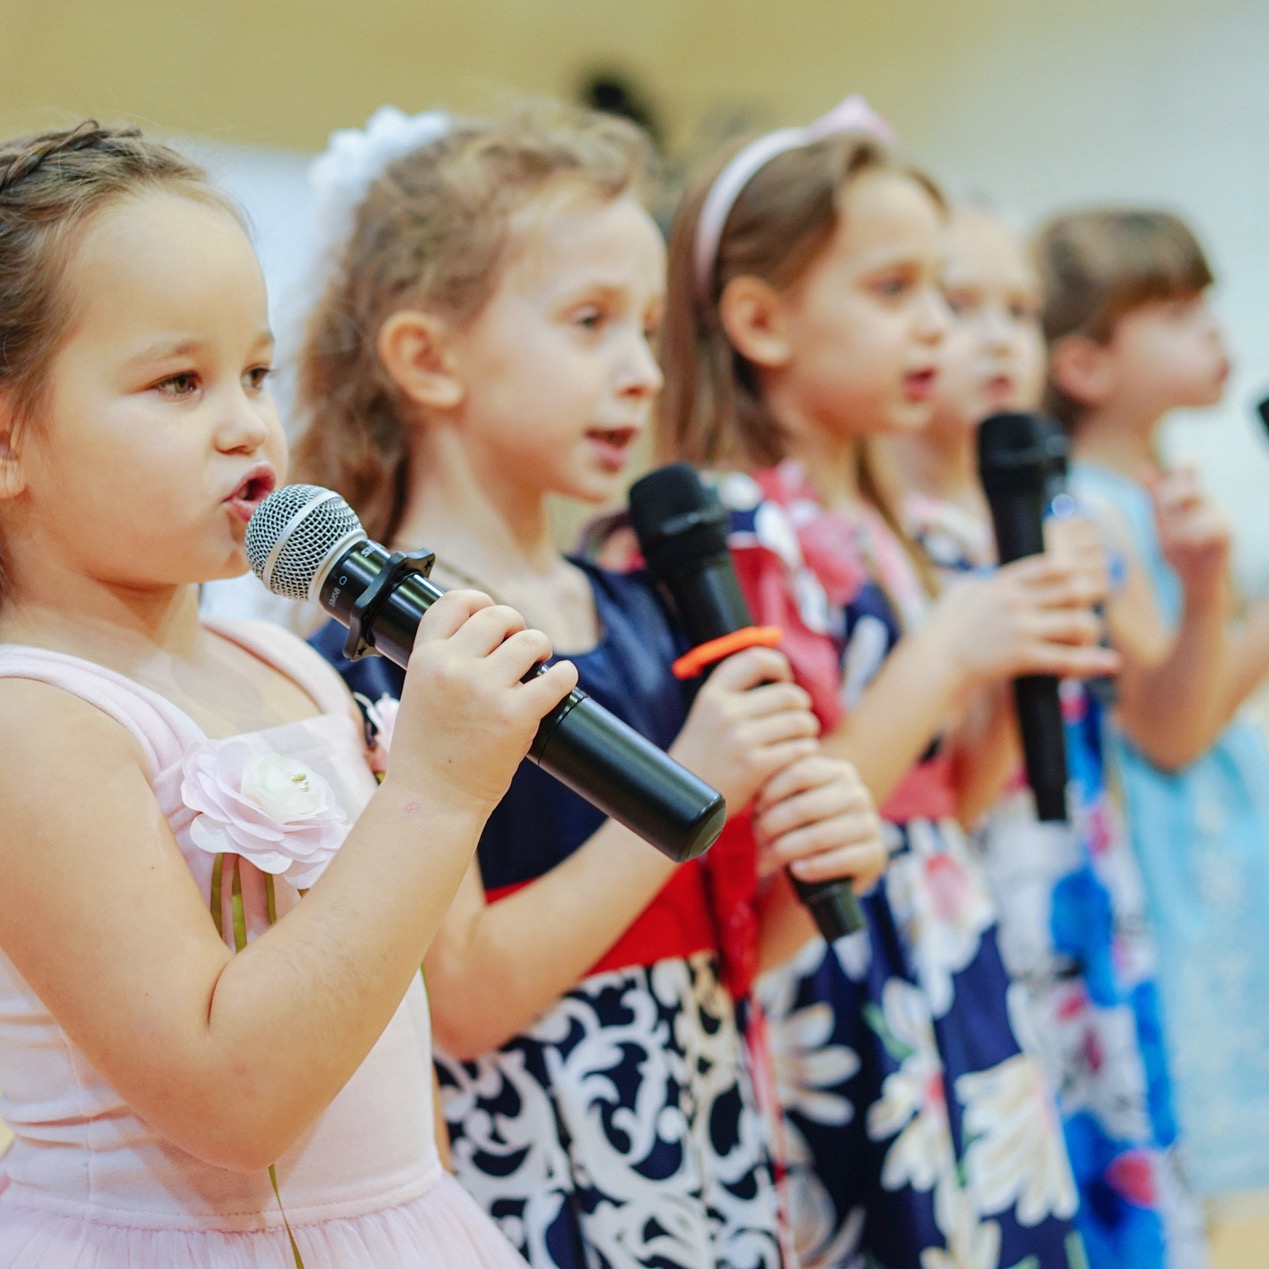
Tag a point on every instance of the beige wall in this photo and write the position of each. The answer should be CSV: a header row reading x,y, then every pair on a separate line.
x,y
284,72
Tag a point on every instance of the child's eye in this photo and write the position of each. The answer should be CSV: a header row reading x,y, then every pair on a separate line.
x,y
958,302
588,318
181,385
258,376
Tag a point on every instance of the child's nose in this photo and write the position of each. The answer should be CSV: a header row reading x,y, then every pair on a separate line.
x,y
243,423
642,375
933,317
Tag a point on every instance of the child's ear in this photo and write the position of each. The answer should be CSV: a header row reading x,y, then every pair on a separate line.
x,y
1082,368
12,476
752,315
414,349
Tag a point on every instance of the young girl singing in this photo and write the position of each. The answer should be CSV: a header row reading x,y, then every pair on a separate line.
x,y
1073,928
483,347
1132,337
183,1038
804,316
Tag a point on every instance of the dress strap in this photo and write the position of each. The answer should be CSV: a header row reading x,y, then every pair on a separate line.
x,y
163,731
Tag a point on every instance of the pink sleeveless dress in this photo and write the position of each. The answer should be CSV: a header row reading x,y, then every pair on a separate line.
x,y
87,1185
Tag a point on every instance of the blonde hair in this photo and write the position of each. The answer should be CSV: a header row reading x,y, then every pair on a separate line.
x,y
434,231
51,186
1098,266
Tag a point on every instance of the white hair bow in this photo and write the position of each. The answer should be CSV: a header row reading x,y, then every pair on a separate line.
x,y
355,158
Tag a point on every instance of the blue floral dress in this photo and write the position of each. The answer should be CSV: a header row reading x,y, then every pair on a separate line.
x,y
621,1128
917,1134
1074,936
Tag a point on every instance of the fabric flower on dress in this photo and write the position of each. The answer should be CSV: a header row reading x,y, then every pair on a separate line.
x,y
911,1112
942,906
1016,1155
272,810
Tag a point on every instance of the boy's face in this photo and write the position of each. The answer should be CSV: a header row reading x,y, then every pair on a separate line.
x,y
1166,355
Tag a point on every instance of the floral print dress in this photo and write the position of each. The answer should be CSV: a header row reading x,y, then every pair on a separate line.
x,y
1073,934
917,1132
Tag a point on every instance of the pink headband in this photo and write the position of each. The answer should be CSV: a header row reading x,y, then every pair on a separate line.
x,y
852,115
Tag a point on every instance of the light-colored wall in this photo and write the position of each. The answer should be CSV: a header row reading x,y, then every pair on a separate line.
x,y
1040,106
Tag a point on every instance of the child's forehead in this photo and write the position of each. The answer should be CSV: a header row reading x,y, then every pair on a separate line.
x,y
574,232
980,242
169,258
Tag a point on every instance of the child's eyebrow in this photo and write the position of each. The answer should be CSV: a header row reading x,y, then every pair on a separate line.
x,y
190,346
167,349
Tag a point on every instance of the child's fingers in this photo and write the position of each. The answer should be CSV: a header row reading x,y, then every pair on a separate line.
x,y
449,613
822,852
486,629
544,691
1064,625
766,760
771,698
1069,661
518,653
816,772
776,728
750,668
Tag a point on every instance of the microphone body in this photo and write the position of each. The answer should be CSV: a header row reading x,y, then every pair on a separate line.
x,y
1020,457
682,532
382,597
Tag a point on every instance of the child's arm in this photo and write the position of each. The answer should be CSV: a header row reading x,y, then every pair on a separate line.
x,y
231,1057
494,967
1179,689
1029,617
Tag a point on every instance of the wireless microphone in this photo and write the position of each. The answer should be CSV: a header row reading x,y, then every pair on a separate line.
x,y
305,542
682,530
1019,458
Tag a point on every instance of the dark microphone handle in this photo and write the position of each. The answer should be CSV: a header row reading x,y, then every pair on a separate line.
x,y
710,605
1044,743
833,905
1018,520
581,744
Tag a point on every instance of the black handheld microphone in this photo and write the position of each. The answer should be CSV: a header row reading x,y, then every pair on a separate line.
x,y
682,530
304,541
1020,456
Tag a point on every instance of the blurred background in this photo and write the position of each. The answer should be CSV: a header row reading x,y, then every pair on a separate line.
x,y
1039,107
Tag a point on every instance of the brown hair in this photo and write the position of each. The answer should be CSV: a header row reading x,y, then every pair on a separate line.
x,y
1098,266
711,411
51,185
434,231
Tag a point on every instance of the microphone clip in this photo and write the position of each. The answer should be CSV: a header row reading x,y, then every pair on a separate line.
x,y
399,566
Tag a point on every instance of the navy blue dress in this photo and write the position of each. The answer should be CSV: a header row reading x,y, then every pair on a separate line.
x,y
621,1128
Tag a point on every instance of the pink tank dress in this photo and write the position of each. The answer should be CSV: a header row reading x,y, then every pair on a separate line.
x,y
86,1185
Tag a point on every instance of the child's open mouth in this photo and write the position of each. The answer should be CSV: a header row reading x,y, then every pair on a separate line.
x,y
612,445
255,487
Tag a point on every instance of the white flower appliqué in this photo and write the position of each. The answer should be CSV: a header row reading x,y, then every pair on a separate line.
x,y
272,810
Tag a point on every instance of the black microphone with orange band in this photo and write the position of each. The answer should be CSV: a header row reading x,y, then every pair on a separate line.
x,y
682,530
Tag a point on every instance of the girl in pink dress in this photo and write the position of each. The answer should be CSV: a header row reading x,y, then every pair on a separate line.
x,y
199,1069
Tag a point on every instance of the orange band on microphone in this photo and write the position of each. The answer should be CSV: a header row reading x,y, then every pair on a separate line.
x,y
690,664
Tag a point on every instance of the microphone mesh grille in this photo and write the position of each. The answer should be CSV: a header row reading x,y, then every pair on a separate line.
x,y
292,533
